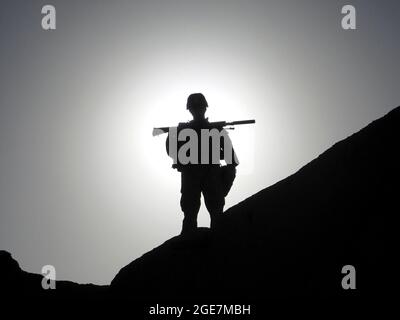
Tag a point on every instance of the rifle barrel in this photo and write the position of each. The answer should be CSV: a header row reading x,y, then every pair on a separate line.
x,y
242,122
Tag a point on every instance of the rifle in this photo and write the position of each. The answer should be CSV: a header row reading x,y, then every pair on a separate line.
x,y
218,124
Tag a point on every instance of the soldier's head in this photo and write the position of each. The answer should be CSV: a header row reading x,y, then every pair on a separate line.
x,y
197,105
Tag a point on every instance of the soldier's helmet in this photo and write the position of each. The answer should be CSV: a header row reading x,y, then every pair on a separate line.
x,y
196,100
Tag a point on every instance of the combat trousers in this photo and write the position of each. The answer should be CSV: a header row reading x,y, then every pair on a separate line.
x,y
197,180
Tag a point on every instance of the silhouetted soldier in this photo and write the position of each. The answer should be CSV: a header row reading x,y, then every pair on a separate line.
x,y
211,179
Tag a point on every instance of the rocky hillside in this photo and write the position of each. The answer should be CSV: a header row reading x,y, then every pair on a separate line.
x,y
293,238
289,240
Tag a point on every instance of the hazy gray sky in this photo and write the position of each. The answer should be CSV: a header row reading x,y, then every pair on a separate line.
x,y
83,184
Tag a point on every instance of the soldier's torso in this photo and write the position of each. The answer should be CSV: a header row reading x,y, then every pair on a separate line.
x,y
195,147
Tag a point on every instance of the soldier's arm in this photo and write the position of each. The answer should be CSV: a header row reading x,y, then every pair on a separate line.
x,y
229,156
174,152
167,144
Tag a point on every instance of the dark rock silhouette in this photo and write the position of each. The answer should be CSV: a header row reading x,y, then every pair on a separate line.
x,y
17,284
293,238
289,240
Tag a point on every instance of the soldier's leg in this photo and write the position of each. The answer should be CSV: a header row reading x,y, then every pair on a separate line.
x,y
214,195
190,201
